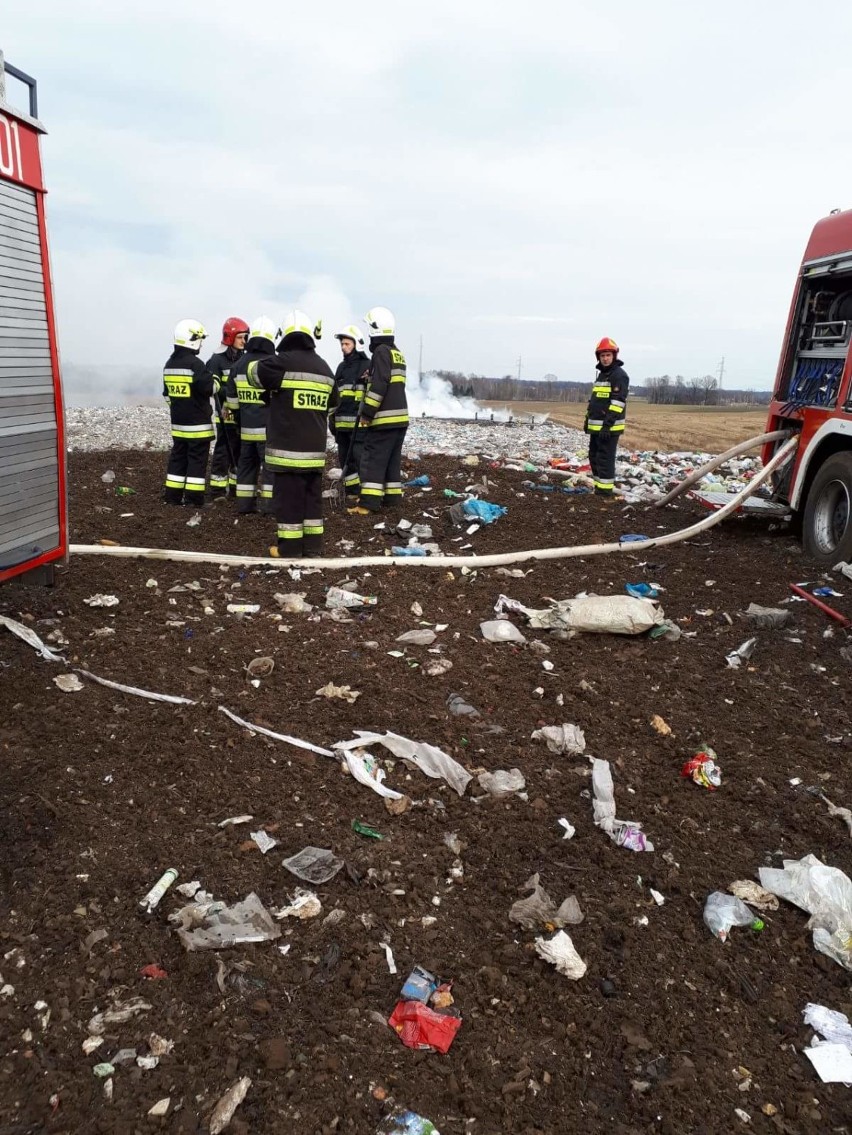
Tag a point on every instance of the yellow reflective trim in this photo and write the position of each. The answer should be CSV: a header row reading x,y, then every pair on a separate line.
x,y
299,384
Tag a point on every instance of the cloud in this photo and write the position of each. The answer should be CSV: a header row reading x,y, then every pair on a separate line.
x,y
630,171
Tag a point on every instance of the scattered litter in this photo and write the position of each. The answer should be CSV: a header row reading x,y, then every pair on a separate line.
x,y
276,736
744,651
827,593
592,614
417,638
30,638
91,1043
260,667
224,1110
459,707
562,738
153,898
832,1063
753,894
243,608
825,893
624,833
120,1013
99,600
660,726
194,520
304,905
92,940
108,477
160,1108
338,597
703,769
512,573
844,814
570,830
68,683
431,760
559,951
767,618
844,569
742,1116
104,1070
539,910
632,538
832,1026
658,898
231,821
172,699
314,865
502,783
396,807
345,693
389,958
722,911
367,770
147,1063
407,1123
264,841
423,1028
365,830
216,926
501,630
438,668
293,603
641,590
153,972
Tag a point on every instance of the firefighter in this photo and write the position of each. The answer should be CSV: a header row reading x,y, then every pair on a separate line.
x,y
301,392
384,417
188,385
605,416
249,408
226,451
343,421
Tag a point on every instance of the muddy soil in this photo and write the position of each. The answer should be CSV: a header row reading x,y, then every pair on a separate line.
x,y
668,1031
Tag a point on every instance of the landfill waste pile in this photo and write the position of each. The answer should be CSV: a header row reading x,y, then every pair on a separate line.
x,y
555,847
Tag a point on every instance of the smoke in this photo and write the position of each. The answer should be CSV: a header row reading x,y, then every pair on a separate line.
x,y
432,396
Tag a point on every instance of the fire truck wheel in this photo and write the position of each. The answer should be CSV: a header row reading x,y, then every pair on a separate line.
x,y
827,525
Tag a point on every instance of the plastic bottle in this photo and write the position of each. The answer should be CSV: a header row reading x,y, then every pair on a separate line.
x,y
722,911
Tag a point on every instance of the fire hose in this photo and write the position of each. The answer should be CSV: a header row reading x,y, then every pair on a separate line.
x,y
443,562
720,459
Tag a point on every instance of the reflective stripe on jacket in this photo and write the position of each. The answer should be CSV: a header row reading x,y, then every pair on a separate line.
x,y
385,405
608,403
349,380
247,403
188,386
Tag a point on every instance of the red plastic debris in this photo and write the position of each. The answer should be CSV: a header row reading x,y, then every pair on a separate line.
x,y
153,972
420,1027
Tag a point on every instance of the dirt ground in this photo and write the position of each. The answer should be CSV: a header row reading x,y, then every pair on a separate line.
x,y
668,1031
708,429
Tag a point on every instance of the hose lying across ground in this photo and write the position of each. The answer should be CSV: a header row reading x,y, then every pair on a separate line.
x,y
720,459
444,562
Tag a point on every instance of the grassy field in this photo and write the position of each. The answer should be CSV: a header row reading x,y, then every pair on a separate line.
x,y
667,428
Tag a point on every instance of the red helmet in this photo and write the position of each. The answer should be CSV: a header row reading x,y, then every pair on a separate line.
x,y
232,328
606,344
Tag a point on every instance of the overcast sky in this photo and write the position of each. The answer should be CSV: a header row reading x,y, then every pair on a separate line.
x,y
511,180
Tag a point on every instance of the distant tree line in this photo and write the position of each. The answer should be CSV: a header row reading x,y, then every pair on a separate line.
x,y
663,390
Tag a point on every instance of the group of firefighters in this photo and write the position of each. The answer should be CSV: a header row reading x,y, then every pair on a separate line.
x,y
275,399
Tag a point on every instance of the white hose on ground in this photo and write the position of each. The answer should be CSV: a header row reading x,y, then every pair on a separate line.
x,y
719,459
442,562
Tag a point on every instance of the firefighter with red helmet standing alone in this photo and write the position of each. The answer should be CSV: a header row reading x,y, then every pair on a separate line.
x,y
605,415
226,451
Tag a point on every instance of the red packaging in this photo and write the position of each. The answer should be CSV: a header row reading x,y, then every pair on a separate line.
x,y
419,1026
153,972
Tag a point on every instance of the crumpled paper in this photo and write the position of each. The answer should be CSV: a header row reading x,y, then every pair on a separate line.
x,y
560,952
562,738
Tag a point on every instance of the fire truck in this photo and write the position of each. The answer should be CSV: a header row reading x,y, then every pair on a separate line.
x,y
33,509
812,395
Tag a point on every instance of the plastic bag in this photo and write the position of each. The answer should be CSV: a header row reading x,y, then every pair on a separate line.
x,y
538,909
562,738
293,603
624,833
744,651
420,1027
825,893
423,637
313,864
338,597
224,926
502,783
560,952
501,630
722,911
767,618
432,761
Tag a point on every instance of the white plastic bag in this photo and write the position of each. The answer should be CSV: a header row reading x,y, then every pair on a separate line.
x,y
562,738
825,893
559,951
501,630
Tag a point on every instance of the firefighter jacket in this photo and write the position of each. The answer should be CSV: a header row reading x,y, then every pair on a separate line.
x,y
301,392
607,404
220,364
246,402
188,386
349,381
385,405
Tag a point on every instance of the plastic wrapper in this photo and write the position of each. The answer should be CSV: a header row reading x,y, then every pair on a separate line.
x,y
722,912
293,603
539,910
304,905
339,597
420,1027
825,893
767,618
225,926
407,1123
224,1110
367,771
624,833
501,630
423,637
702,768
483,511
502,783
832,1026
562,738
744,651
30,638
314,864
431,761
560,952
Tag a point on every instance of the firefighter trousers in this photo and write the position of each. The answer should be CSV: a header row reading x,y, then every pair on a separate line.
x,y
297,504
381,468
350,446
186,473
602,447
226,456
249,468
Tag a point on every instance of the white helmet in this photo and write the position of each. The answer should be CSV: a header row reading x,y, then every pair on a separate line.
x,y
298,321
264,328
352,332
190,333
380,321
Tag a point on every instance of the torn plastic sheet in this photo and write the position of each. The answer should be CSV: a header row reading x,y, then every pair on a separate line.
x,y
429,759
30,638
539,910
560,952
174,699
625,833
593,614
277,736
825,893
224,926
564,738
367,772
